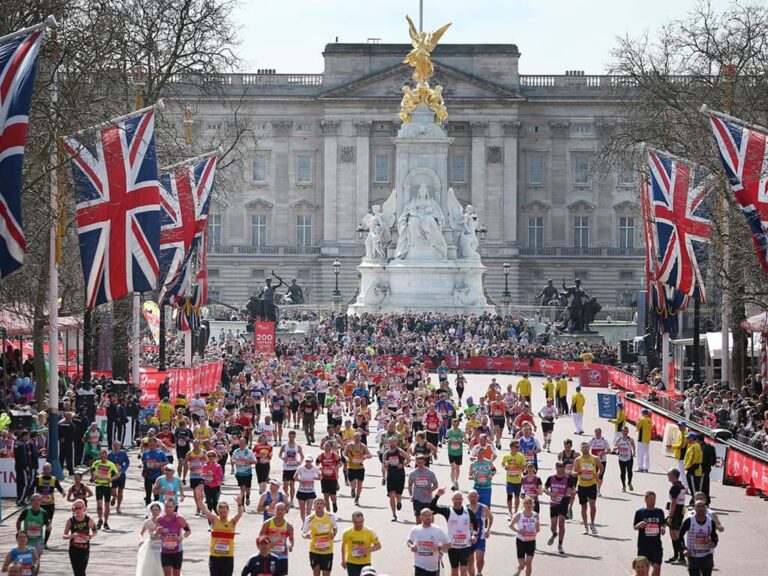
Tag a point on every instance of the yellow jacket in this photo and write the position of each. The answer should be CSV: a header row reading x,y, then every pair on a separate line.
x,y
693,458
620,421
524,387
578,401
644,429
562,387
549,389
679,446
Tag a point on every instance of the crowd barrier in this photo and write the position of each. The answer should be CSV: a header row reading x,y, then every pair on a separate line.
x,y
186,381
743,465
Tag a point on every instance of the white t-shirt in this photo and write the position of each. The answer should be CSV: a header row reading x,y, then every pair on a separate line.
x,y
428,542
197,406
307,477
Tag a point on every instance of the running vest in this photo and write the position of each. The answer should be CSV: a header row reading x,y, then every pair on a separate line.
x,y
454,439
394,461
480,521
321,535
171,538
599,448
422,449
279,537
170,490
526,527
25,558
482,474
558,488
356,458
290,456
34,524
459,529
196,463
527,447
697,539
328,466
222,539
530,487
568,461
680,500
624,447
432,422
46,487
269,504
81,533
588,472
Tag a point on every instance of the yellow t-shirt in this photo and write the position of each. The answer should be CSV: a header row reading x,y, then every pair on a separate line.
x,y
164,412
644,429
203,433
549,389
578,401
222,539
357,544
320,534
562,387
356,457
514,465
585,470
524,387
693,458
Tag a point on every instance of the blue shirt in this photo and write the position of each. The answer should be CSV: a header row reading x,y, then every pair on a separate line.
x,y
153,461
121,460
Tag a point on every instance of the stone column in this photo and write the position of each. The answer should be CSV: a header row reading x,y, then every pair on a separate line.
x,y
362,170
477,175
558,181
279,229
330,182
511,132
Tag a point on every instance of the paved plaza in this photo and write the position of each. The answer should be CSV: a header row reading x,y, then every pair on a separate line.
x,y
742,548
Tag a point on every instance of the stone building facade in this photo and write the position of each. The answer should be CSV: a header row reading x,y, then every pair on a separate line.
x,y
521,154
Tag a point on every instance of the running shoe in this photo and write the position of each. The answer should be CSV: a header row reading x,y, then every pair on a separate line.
x,y
586,530
394,519
357,501
671,560
248,500
383,481
106,526
399,506
551,540
623,488
570,514
631,489
560,549
113,501
594,530
335,507
99,524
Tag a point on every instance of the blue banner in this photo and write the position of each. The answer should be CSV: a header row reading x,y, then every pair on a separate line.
x,y
606,405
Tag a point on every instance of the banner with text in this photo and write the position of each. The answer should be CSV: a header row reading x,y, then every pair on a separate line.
x,y
264,337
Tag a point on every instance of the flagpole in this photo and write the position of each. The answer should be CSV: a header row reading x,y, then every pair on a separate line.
x,y
111,122
50,22
194,160
706,110
53,290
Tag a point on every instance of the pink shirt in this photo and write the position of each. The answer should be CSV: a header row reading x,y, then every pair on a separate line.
x,y
212,475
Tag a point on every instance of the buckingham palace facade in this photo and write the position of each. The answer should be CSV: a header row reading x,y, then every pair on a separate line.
x,y
322,155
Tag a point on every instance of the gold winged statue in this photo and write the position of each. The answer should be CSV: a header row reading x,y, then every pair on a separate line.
x,y
423,44
419,58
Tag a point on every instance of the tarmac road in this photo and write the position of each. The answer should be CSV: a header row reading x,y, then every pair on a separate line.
x,y
742,549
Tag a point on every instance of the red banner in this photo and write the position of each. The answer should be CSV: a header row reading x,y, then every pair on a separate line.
x,y
745,469
594,376
264,337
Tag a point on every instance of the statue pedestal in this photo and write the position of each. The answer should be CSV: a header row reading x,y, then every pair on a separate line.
x,y
448,286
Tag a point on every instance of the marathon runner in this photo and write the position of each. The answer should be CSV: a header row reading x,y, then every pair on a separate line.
x,y
525,525
586,468
320,529
484,519
560,491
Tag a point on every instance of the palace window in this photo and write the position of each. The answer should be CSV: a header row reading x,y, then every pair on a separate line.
x,y
581,170
381,169
581,231
303,230
258,230
304,169
214,230
535,231
626,232
535,169
459,168
259,167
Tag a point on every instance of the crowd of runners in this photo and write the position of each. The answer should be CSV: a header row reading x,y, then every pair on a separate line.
x,y
349,410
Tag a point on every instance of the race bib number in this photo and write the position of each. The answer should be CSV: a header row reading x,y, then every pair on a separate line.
x,y
181,442
422,482
425,548
221,546
460,539
357,460
80,538
306,485
45,498
359,551
170,542
34,531
322,542
278,545
455,446
652,529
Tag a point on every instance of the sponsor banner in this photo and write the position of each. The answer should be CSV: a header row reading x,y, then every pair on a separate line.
x,y
101,421
606,405
594,376
743,469
671,435
264,337
8,476
718,470
152,316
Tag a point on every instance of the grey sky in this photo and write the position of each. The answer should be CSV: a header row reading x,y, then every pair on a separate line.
x,y
552,35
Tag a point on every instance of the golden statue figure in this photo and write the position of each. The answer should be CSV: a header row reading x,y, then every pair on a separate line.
x,y
419,58
423,44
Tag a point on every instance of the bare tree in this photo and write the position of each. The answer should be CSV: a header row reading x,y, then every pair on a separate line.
x,y
99,51
667,77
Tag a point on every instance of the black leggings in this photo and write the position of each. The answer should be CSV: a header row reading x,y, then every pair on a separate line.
x,y
148,496
79,560
701,566
625,470
212,497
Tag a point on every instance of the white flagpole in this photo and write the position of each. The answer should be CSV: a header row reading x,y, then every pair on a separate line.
x,y
194,160
53,296
50,22
159,105
707,110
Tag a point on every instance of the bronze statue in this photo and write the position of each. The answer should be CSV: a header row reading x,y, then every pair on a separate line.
x,y
295,292
575,306
549,295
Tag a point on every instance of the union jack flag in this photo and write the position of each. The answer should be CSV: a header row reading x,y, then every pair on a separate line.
x,y
18,62
681,224
744,155
118,209
185,196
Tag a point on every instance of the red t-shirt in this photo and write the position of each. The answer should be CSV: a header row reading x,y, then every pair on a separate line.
x,y
327,464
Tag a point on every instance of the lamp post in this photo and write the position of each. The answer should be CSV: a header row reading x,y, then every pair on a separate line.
x,y
336,270
361,230
481,232
506,297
